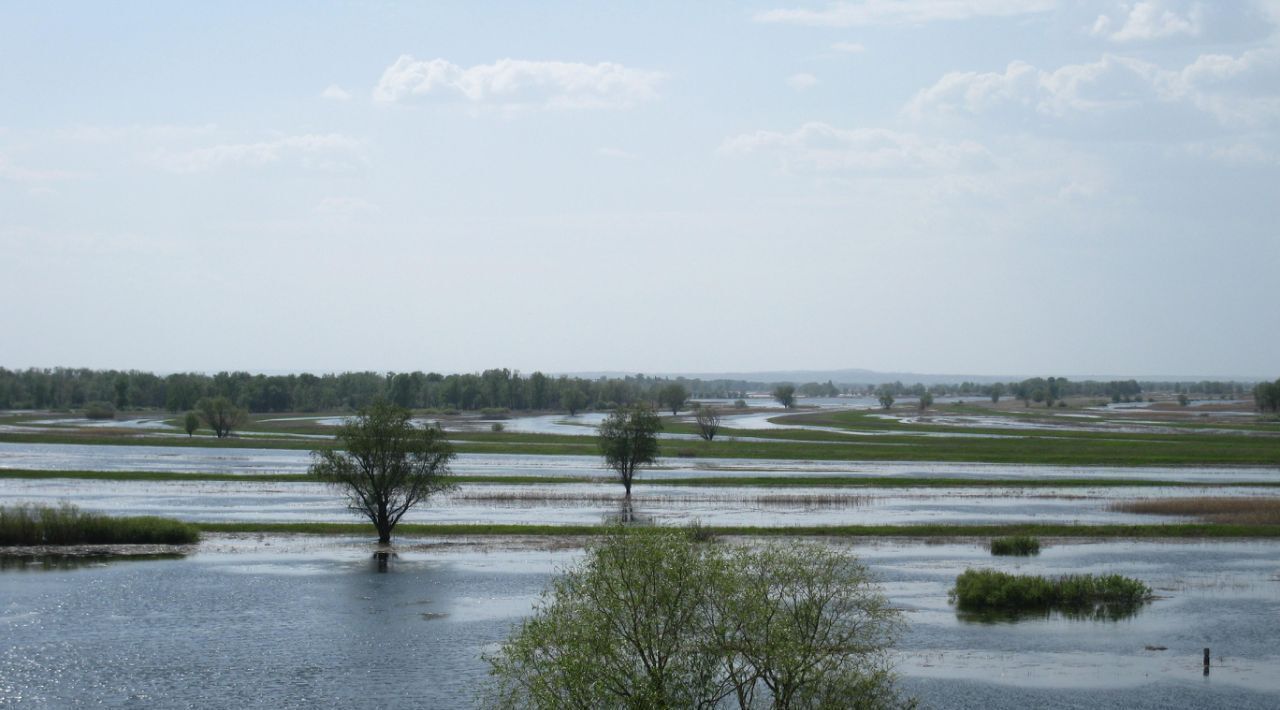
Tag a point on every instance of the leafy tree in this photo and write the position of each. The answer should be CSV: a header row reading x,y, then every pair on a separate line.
x,y
572,399
673,397
1183,399
652,619
885,395
786,395
191,422
995,392
629,440
220,415
708,421
385,464
926,401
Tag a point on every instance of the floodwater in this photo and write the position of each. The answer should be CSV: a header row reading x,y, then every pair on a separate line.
x,y
285,622
249,461
593,503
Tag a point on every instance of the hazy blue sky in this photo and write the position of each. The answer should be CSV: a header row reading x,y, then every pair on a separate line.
x,y
976,186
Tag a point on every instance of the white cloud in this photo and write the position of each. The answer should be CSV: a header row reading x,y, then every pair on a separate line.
x,y
616,153
1237,91
311,151
17,173
1150,20
515,83
819,147
897,12
802,81
333,92
848,47
347,207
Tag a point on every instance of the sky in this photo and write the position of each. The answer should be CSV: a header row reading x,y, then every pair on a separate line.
x,y
958,186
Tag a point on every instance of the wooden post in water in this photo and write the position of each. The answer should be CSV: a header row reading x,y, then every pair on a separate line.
x,y
1206,661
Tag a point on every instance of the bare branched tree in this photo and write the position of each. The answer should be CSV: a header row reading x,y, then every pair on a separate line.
x,y
708,421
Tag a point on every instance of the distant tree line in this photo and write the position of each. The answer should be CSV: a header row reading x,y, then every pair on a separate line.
x,y
74,388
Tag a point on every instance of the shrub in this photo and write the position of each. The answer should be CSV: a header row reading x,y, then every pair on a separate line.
x,y
697,532
1023,545
100,410
651,619
991,590
67,525
496,427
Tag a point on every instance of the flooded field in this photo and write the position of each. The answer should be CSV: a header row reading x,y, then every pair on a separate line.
x,y
249,461
594,503
280,621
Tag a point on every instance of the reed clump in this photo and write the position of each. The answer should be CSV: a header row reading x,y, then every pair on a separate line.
x,y
1016,545
992,590
32,525
1255,510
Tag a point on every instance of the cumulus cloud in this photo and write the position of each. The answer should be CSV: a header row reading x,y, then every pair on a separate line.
x,y
1237,91
1186,21
802,81
1153,19
328,150
516,83
899,12
333,92
822,148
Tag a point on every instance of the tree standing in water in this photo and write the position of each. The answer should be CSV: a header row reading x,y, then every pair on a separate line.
x,y
629,440
385,464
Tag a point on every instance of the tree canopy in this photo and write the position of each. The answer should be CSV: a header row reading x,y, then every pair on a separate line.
x,y
629,440
221,415
386,464
785,395
652,619
673,397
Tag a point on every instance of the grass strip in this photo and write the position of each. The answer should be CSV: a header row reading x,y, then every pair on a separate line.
x,y
67,525
1164,531
1061,448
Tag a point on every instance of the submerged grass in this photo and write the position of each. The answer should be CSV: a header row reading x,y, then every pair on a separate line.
x,y
531,498
32,525
939,532
1015,545
1256,510
991,590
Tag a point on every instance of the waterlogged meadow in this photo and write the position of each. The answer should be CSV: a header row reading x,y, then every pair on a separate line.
x,y
261,616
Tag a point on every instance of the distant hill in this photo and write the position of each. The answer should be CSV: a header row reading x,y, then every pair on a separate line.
x,y
845,376
872,377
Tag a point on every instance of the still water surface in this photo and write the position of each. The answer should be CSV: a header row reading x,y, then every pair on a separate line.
x,y
278,621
